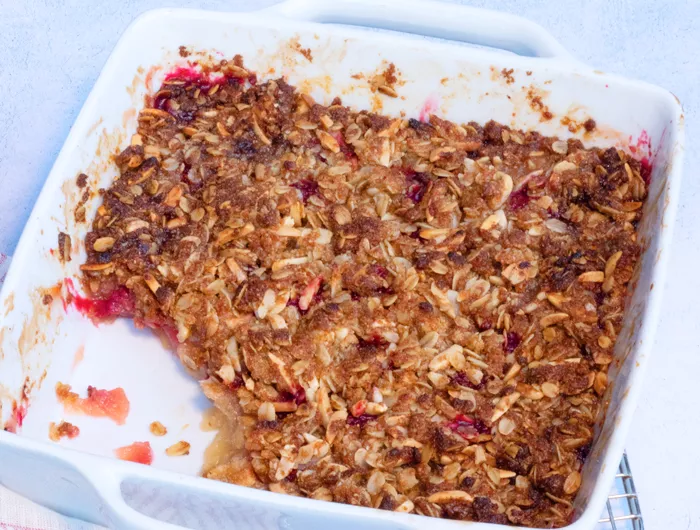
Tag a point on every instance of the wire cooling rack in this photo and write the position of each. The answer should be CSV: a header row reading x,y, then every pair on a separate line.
x,y
622,510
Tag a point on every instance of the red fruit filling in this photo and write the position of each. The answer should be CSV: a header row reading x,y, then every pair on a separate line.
x,y
307,188
298,396
112,404
467,427
512,341
417,185
120,303
519,199
139,452
360,420
461,379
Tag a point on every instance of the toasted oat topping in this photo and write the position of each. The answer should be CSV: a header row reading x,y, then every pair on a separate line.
x,y
405,315
180,448
63,429
157,429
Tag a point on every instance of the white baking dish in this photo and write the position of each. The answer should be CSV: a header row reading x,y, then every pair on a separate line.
x,y
39,342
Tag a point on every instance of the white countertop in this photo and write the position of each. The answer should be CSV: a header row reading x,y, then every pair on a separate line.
x,y
51,52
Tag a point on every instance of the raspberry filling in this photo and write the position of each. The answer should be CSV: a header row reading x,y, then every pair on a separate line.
x,y
307,187
120,303
112,404
139,452
468,428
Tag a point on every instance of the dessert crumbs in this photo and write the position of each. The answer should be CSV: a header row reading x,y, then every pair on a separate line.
x,y
63,429
158,429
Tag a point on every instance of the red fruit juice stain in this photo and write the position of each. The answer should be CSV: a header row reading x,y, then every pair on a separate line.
x,y
429,107
16,419
120,303
642,150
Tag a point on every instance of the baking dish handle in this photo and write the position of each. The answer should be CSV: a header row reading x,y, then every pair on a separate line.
x,y
431,19
108,477
107,481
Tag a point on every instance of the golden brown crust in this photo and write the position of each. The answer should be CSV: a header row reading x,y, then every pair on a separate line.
x,y
405,315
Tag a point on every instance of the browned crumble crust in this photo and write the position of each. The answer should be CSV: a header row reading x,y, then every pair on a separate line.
x,y
63,429
411,316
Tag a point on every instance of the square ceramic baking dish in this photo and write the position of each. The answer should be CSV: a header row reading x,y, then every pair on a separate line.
x,y
44,342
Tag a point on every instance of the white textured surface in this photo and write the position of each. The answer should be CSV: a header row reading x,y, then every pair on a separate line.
x,y
51,52
17,513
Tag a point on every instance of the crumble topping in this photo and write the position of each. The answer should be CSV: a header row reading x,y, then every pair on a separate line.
x,y
180,448
157,429
406,315
63,429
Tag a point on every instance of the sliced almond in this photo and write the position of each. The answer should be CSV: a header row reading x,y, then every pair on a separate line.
x,y
259,133
506,473
136,224
342,216
95,267
506,426
280,264
564,165
557,299
328,141
515,274
387,90
592,276
434,233
375,409
504,404
173,197
560,147
441,152
495,220
572,483
237,71
266,411
442,359
180,448
152,283
158,429
442,497
551,390
288,231
406,506
552,319
557,226
103,244
610,267
604,342
505,188
600,384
